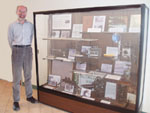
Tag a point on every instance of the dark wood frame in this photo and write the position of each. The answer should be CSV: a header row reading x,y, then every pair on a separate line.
x,y
75,104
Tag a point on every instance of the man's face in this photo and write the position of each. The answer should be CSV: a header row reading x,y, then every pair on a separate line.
x,y
22,12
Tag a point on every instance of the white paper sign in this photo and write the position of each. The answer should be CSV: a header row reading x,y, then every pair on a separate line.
x,y
121,67
110,90
106,68
94,30
131,97
77,29
72,53
135,22
81,66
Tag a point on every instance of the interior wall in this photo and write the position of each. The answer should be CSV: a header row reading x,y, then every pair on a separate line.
x,y
8,10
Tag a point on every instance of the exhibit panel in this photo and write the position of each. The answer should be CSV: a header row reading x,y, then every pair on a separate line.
x,y
91,56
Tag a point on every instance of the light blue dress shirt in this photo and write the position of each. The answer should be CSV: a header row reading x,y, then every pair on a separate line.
x,y
20,34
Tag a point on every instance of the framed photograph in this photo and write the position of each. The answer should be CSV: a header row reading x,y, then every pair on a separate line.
x,y
54,80
69,88
126,52
95,52
86,50
65,34
85,92
55,34
71,54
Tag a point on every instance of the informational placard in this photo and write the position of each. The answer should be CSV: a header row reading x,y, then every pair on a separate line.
x,y
112,51
121,67
81,66
110,90
135,22
117,23
106,68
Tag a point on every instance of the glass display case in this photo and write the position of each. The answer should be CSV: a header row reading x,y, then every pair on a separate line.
x,y
91,59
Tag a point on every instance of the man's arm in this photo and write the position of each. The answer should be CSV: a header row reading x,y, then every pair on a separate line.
x,y
10,35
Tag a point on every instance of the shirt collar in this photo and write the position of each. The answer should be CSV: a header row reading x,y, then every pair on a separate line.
x,y
17,21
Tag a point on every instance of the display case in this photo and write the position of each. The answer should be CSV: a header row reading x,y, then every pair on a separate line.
x,y
91,60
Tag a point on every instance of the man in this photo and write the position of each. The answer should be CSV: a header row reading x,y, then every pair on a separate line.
x,y
20,35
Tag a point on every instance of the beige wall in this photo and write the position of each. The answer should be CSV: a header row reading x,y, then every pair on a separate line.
x,y
7,11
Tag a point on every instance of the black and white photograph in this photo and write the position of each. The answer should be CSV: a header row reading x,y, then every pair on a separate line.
x,y
54,80
85,92
69,88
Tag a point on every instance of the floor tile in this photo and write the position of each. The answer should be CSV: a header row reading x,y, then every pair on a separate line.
x,y
6,101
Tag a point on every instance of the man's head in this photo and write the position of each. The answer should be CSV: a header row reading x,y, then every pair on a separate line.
x,y
21,12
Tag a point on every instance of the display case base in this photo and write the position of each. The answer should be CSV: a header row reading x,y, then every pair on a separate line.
x,y
70,105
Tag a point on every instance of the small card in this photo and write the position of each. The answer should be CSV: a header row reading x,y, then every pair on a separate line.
x,y
114,77
48,87
94,30
105,102
131,98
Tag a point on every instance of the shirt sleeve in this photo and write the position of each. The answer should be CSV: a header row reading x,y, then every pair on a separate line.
x,y
32,32
10,35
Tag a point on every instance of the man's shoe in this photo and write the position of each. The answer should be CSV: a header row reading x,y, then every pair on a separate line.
x,y
16,106
32,100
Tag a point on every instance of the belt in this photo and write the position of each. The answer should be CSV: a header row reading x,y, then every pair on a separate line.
x,y
21,46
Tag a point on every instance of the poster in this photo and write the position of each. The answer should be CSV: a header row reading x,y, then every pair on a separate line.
x,y
61,21
99,22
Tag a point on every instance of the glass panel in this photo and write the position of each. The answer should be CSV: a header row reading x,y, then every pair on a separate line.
x,y
92,55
